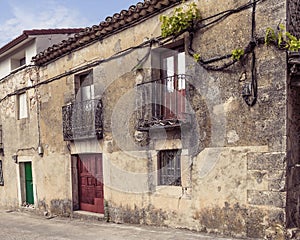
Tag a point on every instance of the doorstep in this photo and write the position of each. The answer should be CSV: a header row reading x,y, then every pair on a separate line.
x,y
84,215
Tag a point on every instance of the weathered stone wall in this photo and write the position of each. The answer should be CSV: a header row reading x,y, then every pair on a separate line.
x,y
21,137
233,156
236,154
55,186
293,18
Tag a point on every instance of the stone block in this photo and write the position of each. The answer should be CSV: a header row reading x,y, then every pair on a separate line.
x,y
276,180
266,198
266,161
257,180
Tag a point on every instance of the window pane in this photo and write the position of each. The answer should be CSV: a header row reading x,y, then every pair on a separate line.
x,y
170,66
85,87
22,61
22,106
170,84
181,63
169,168
85,93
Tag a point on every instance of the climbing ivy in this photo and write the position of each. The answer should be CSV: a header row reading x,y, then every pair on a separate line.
x,y
197,57
270,36
282,38
187,18
293,42
237,54
181,19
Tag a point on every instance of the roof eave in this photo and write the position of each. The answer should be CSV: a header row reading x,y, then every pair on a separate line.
x,y
135,14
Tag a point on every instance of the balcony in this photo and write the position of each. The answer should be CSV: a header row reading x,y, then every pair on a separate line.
x,y
82,120
163,103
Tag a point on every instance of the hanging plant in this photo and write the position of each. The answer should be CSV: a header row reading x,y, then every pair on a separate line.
x,y
181,19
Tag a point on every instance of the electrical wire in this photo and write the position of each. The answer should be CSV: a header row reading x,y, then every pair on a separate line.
x,y
92,64
203,63
226,14
252,99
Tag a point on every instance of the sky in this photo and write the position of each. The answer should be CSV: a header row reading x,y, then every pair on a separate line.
x,y
19,15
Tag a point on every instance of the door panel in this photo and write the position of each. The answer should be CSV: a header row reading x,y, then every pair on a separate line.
x,y
90,181
28,183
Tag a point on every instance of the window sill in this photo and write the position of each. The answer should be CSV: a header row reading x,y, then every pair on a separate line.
x,y
22,119
177,192
14,70
172,191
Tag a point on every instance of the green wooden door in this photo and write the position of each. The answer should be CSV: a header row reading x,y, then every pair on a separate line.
x,y
28,183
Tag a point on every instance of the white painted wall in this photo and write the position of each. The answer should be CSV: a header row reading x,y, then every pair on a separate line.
x,y
4,68
45,41
38,44
31,51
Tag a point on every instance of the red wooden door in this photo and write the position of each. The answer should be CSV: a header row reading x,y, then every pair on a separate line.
x,y
90,174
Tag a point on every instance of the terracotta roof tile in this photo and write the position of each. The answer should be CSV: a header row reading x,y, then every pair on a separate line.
x,y
112,24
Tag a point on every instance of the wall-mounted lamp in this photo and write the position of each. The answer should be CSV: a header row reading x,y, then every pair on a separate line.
x,y
15,158
40,150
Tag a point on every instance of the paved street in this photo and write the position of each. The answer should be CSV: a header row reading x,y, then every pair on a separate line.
x,y
23,226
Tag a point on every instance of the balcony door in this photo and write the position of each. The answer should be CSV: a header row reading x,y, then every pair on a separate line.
x,y
84,87
173,82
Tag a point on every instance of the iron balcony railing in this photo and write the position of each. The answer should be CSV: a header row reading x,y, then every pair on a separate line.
x,y
163,102
82,120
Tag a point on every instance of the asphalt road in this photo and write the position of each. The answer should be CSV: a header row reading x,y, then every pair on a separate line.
x,y
23,226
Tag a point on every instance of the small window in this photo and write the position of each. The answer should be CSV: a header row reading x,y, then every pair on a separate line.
x,y
22,106
22,61
18,60
1,174
169,168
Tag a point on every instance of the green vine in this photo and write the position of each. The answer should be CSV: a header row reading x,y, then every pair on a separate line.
x,y
197,57
270,36
237,54
282,39
293,42
181,19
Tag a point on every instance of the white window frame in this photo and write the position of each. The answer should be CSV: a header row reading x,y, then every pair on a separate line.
x,y
22,106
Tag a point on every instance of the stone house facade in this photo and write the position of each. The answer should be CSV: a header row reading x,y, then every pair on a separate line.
x,y
168,131
19,52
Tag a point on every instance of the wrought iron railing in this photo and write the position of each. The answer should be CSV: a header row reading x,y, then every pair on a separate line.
x,y
82,120
163,102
